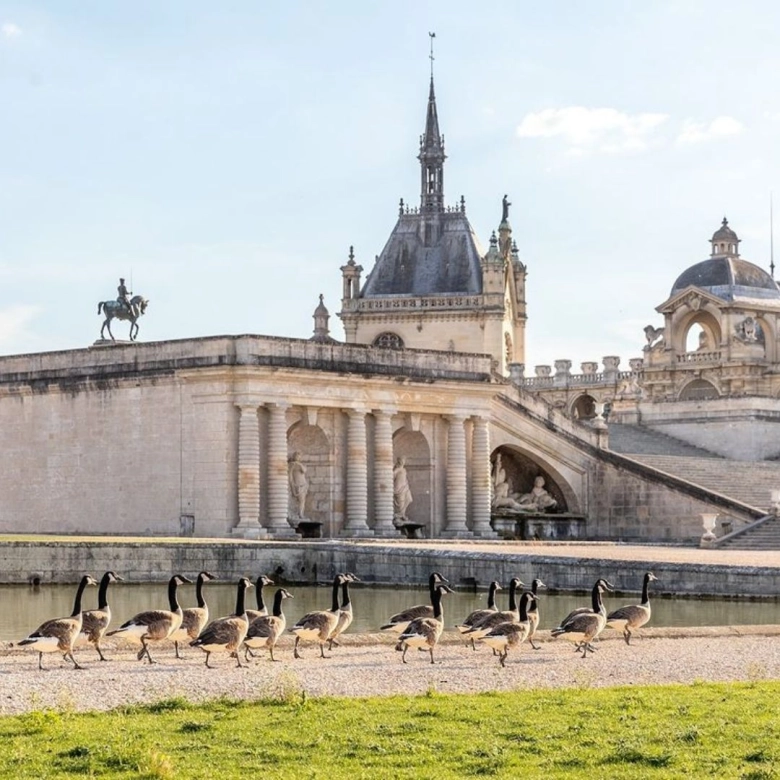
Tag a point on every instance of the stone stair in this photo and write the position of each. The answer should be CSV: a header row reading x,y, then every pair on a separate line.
x,y
636,440
750,482
764,536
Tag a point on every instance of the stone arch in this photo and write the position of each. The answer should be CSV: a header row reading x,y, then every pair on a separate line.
x,y
523,467
388,340
583,407
314,447
707,319
698,390
769,334
414,447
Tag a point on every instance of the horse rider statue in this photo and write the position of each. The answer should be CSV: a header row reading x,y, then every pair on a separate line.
x,y
124,297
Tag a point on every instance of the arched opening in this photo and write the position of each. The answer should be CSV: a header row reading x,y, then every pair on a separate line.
x,y
515,477
313,448
584,407
699,390
388,340
699,333
413,447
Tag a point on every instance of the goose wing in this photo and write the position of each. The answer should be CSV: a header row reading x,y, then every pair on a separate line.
x,y
419,611
94,621
221,632
265,626
56,627
633,614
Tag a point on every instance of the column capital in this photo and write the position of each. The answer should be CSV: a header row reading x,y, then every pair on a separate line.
x,y
359,412
284,405
384,412
246,403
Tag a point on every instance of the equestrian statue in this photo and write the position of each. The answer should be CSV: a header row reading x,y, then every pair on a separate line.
x,y
123,308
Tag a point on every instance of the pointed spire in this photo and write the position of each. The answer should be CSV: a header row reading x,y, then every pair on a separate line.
x,y
431,154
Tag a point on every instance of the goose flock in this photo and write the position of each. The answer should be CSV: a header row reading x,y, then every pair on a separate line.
x,y
420,626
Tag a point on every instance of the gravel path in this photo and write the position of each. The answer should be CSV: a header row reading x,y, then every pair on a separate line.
x,y
366,665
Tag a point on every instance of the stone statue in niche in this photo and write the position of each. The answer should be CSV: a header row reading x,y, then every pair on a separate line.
x,y
747,330
402,493
538,499
501,490
704,342
299,486
510,352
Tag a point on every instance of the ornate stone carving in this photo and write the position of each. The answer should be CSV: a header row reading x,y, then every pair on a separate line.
x,y
747,330
402,493
653,335
299,486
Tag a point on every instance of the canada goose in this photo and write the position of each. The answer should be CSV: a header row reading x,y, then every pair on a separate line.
x,y
193,618
253,614
94,622
346,615
401,620
533,612
479,614
584,611
155,624
633,616
265,630
319,625
585,626
494,619
59,634
424,632
227,633
506,635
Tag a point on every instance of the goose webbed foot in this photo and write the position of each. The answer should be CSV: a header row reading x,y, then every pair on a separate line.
x,y
535,646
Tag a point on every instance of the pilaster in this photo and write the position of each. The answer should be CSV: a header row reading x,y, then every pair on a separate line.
x,y
248,473
278,486
480,479
383,474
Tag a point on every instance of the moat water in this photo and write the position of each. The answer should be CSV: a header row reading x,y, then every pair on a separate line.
x,y
25,607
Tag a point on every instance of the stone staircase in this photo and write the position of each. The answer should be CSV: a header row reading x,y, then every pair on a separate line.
x,y
636,440
750,482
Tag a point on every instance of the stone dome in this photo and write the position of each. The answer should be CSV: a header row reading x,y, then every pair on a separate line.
x,y
729,278
724,232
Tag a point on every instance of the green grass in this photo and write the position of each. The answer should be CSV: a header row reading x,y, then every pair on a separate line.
x,y
702,730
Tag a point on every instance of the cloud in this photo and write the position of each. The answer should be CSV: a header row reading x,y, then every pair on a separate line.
x,y
605,130
14,321
10,30
698,132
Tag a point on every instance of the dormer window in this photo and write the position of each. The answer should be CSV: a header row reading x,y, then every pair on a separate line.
x,y
388,340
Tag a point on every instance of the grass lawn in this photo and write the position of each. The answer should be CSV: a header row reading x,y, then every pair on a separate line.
x,y
702,730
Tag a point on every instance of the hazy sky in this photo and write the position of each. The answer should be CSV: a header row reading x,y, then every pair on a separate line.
x,y
225,156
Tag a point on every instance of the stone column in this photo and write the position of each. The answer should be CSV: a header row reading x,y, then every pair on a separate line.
x,y
248,473
480,479
456,479
383,474
357,476
278,486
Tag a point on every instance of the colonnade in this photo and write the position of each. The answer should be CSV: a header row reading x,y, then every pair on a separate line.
x,y
276,524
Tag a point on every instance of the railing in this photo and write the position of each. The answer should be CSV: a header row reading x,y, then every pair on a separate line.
x,y
699,357
573,380
439,302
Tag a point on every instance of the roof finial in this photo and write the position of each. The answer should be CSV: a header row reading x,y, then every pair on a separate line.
x,y
431,35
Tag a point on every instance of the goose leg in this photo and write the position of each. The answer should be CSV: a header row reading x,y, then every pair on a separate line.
x,y
145,651
535,647
296,654
176,647
76,664
432,661
40,662
100,653
473,645
208,655
238,660
627,635
403,656
271,651
322,650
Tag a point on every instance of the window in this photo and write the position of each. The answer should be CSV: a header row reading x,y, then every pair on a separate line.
x,y
389,340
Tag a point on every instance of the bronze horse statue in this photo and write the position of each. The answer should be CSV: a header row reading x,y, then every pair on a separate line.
x,y
118,310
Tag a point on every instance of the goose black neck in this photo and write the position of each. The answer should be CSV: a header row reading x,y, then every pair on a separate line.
x,y
79,593
345,594
513,596
241,597
432,585
492,595
534,587
437,608
524,600
596,597
278,598
645,589
259,589
334,602
172,599
103,592
199,591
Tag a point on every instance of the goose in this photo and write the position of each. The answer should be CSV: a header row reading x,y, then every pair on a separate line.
x,y
533,612
265,630
226,634
193,618
424,632
479,614
59,634
346,616
506,635
494,619
317,626
584,627
94,622
585,610
155,624
253,614
633,616
401,620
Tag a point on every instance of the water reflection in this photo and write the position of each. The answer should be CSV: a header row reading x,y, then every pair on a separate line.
x,y
25,607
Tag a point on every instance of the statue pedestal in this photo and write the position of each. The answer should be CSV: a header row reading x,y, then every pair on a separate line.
x,y
110,343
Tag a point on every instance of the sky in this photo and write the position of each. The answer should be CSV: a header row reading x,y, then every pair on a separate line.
x,y
224,157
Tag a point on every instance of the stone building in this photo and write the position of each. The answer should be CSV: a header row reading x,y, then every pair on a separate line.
x,y
263,436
